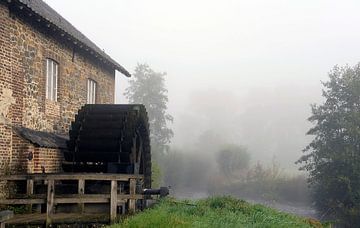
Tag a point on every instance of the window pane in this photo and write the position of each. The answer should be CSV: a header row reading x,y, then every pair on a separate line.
x,y
47,78
55,68
88,92
94,92
51,79
90,98
91,91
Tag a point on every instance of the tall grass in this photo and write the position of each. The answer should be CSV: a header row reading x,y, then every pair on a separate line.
x,y
213,212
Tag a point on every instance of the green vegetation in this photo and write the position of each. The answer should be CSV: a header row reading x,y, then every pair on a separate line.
x,y
228,171
231,159
332,158
259,182
147,87
213,212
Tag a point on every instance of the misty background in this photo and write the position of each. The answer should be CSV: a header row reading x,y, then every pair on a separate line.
x,y
242,72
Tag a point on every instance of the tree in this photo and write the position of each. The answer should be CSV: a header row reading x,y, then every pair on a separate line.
x,y
148,87
232,158
333,157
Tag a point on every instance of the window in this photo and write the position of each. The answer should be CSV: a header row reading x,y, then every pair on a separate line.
x,y
51,79
91,91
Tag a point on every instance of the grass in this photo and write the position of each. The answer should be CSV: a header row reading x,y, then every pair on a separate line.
x,y
213,212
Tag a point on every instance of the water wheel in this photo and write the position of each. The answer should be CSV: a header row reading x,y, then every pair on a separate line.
x,y
110,139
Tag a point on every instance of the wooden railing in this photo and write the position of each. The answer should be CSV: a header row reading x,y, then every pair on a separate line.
x,y
51,198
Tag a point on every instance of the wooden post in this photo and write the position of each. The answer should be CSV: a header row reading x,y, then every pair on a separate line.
x,y
4,216
29,192
113,201
132,200
29,187
121,205
81,192
50,202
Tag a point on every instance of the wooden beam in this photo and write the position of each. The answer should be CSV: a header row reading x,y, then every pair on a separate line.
x,y
4,216
81,192
72,198
82,200
133,150
22,201
132,200
29,192
50,202
26,196
138,157
61,218
83,196
113,201
135,197
72,176
29,187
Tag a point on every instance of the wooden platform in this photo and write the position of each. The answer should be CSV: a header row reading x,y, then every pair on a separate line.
x,y
60,218
116,198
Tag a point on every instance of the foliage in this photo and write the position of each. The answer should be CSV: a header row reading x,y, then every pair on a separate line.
x,y
232,158
148,87
214,212
261,173
156,174
18,209
265,183
183,170
333,157
173,166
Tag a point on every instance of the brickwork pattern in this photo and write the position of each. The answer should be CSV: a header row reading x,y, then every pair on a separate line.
x,y
28,158
23,53
47,160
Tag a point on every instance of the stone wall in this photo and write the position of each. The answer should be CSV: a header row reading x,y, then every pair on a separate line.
x,y
23,54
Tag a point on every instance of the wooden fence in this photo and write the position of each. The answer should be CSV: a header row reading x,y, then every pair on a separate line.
x,y
115,198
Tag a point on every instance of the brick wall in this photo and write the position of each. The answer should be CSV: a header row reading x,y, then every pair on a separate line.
x,y
23,54
19,158
28,158
47,160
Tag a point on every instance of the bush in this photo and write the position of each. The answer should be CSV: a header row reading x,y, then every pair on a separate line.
x,y
265,184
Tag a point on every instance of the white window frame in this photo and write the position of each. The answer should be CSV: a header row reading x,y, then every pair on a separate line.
x,y
91,91
52,70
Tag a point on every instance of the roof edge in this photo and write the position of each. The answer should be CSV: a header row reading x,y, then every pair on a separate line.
x,y
53,20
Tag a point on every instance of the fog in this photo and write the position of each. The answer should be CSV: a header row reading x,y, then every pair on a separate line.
x,y
242,72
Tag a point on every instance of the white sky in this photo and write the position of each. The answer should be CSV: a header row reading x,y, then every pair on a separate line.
x,y
223,44
233,46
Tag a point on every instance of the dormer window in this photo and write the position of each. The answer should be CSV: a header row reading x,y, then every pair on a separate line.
x,y
51,79
91,91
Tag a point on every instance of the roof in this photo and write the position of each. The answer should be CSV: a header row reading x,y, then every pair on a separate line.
x,y
54,19
41,138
